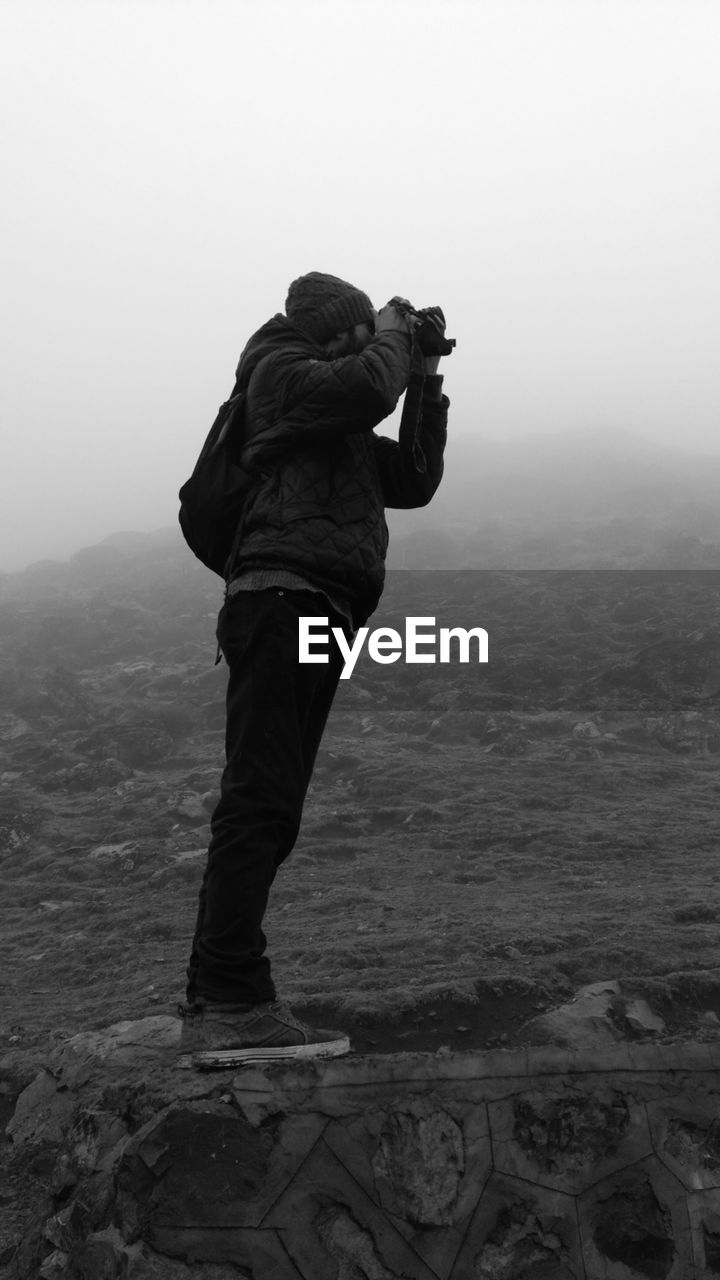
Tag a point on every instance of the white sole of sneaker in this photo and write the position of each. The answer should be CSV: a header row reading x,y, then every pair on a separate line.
x,y
215,1058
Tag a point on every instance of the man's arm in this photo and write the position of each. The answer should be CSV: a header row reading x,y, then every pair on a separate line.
x,y
353,392
402,484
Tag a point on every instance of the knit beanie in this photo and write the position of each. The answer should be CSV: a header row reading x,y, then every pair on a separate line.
x,y
323,306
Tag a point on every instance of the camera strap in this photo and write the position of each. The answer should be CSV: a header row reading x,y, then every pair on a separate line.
x,y
412,409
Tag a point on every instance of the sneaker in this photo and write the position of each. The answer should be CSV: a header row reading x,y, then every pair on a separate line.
x,y
223,1035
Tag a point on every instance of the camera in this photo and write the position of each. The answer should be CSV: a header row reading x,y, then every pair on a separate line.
x,y
428,325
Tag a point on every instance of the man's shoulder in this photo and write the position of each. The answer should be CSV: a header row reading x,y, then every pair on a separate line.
x,y
292,356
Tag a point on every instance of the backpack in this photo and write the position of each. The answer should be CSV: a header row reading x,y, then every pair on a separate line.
x,y
212,499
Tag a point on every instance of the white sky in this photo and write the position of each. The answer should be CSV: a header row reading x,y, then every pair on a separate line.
x,y
546,170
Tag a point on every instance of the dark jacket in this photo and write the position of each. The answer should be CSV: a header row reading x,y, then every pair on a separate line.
x,y
323,476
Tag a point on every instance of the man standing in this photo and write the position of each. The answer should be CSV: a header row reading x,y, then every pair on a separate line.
x,y
318,380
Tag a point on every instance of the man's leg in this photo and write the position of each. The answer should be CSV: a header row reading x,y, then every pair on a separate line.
x,y
276,712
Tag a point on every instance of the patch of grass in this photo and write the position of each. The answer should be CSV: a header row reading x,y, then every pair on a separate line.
x,y
695,913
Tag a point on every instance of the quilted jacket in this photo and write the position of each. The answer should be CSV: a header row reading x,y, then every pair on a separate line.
x,y
323,476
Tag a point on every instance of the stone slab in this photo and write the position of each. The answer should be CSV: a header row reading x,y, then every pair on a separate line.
x,y
532,1162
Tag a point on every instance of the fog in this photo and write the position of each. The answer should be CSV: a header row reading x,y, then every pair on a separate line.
x,y
547,171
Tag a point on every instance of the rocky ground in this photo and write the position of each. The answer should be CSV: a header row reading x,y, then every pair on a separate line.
x,y
544,820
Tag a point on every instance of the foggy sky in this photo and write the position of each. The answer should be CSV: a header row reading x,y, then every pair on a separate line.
x,y
546,170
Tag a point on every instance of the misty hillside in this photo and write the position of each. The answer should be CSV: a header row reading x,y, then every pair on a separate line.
x,y
604,500
597,474
608,500
551,815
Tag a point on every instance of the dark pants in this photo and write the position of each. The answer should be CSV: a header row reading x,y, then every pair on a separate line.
x,y
277,708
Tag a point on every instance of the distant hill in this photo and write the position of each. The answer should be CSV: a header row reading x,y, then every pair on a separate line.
x,y
604,500
595,475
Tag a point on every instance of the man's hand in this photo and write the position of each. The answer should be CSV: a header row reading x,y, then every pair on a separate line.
x,y
390,320
431,363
